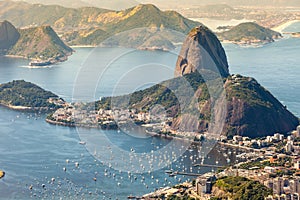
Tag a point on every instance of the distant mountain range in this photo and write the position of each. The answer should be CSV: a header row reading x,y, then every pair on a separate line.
x,y
119,4
91,26
107,4
257,3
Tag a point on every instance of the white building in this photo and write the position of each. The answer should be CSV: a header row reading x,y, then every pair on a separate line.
x,y
289,147
297,165
294,186
298,131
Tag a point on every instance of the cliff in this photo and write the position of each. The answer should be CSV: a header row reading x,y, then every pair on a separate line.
x,y
9,35
201,51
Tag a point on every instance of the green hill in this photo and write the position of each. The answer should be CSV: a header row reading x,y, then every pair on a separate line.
x,y
40,43
25,94
146,38
239,188
252,110
248,33
89,25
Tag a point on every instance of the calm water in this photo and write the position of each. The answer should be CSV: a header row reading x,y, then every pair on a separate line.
x,y
33,152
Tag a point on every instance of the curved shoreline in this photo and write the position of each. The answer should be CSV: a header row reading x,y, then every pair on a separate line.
x,y
283,26
153,134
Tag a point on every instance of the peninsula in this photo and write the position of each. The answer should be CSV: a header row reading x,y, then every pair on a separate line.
x,y
251,110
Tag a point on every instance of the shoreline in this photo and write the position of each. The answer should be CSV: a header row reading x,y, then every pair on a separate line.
x,y
16,56
83,46
25,108
283,26
153,134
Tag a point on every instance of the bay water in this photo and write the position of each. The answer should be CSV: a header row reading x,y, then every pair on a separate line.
x,y
47,161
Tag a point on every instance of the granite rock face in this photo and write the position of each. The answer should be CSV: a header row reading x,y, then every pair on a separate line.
x,y
9,35
202,50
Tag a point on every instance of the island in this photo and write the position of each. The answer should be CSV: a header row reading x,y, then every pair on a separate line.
x,y
41,45
22,95
249,33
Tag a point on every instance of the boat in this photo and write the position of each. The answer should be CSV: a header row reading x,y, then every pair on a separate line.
x,y
82,142
40,63
2,174
168,171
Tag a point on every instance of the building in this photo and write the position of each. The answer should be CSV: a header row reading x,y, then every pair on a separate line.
x,y
204,183
298,132
268,183
237,138
278,184
289,147
297,165
294,186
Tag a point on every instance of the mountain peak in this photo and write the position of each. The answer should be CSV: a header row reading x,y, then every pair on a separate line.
x,y
40,43
9,35
202,50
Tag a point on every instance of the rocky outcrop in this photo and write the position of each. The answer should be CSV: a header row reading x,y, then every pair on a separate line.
x,y
202,51
253,111
42,45
9,35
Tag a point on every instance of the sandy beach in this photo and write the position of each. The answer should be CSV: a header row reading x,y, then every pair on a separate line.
x,y
283,26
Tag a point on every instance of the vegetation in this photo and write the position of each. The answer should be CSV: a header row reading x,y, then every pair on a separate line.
x,y
165,94
146,38
21,93
40,43
240,188
280,162
244,96
90,26
175,197
249,31
248,89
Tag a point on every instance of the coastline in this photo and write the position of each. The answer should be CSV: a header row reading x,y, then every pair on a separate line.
x,y
83,46
16,56
25,108
153,134
283,26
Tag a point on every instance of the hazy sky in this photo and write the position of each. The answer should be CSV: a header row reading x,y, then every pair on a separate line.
x,y
121,4
230,2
